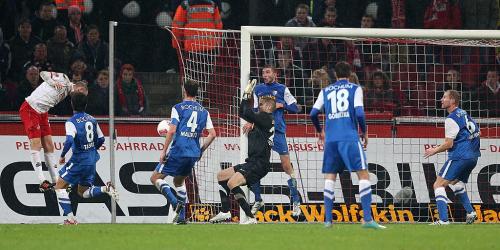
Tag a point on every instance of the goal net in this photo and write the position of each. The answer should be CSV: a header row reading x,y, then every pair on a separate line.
x,y
404,74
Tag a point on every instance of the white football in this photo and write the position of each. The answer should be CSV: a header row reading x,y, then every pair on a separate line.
x,y
163,127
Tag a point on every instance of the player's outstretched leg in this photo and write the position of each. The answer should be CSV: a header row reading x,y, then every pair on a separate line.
x,y
259,203
442,205
329,196
224,213
168,192
36,162
365,194
239,195
96,191
460,191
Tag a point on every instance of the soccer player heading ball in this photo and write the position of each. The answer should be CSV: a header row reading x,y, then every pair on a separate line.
x,y
187,122
463,145
342,103
257,165
33,113
284,102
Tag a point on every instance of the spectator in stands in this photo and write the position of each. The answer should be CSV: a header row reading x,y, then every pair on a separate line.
x,y
319,80
44,23
60,49
453,81
367,21
330,18
94,50
27,85
381,11
78,71
39,59
489,94
99,95
415,11
479,15
21,46
5,58
354,78
130,92
398,19
301,19
379,96
292,76
75,27
320,53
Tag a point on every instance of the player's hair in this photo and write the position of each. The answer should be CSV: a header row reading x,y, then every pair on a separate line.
x,y
342,69
269,66
267,104
23,21
453,94
92,27
302,6
191,88
79,101
82,84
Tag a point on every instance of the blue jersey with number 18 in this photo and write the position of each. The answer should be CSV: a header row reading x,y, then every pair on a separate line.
x,y
191,119
339,101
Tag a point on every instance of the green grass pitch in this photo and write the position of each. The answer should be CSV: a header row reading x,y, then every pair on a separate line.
x,y
239,237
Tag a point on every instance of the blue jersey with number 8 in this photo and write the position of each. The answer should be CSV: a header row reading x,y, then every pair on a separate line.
x,y
191,119
339,101
85,131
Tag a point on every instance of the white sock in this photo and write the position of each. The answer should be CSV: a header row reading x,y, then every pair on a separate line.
x,y
181,192
36,161
51,163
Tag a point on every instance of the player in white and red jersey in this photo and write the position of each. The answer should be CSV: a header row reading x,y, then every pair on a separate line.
x,y
33,112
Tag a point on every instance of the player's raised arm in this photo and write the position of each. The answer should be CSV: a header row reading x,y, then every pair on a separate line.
x,y
360,114
211,134
55,79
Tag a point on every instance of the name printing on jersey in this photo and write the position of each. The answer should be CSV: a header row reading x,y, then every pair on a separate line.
x,y
192,107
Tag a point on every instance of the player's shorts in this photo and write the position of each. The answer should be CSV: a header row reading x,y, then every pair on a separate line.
x,y
341,155
252,171
81,174
177,166
279,144
35,124
458,169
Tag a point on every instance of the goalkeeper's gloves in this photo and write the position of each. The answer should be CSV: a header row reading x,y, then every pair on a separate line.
x,y
247,94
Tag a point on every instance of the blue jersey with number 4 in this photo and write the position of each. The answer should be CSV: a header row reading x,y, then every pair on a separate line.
x,y
85,132
190,118
465,134
339,101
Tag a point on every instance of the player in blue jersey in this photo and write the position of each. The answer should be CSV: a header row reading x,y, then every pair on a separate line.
x,y
463,143
188,120
285,101
342,103
84,137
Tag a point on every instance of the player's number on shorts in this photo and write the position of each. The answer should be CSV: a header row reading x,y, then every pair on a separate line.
x,y
470,125
338,100
89,128
193,121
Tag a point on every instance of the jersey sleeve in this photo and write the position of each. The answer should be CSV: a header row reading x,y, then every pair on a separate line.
x,y
358,97
54,77
255,101
451,128
209,125
99,132
174,116
319,101
289,98
70,129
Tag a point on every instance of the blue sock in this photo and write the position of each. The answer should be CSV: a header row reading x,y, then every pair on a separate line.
x,y
166,191
292,184
442,203
64,202
256,191
329,197
459,190
95,191
365,193
181,192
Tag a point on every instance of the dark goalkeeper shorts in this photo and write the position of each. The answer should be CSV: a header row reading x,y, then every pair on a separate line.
x,y
252,171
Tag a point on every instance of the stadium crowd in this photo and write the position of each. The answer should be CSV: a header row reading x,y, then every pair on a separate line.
x,y
34,38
